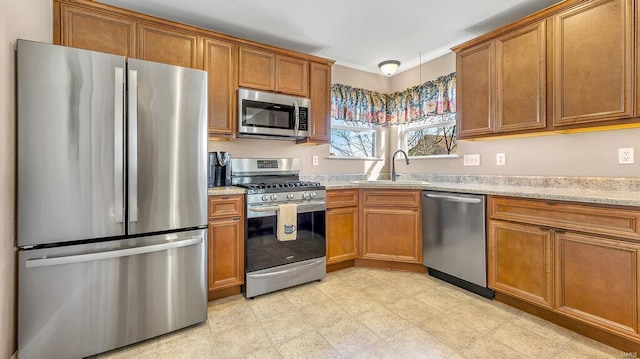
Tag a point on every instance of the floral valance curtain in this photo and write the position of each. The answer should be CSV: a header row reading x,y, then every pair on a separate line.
x,y
413,104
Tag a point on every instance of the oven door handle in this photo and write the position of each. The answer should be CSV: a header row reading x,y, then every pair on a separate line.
x,y
301,206
290,270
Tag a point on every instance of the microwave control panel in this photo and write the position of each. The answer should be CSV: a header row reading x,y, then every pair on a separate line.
x,y
304,119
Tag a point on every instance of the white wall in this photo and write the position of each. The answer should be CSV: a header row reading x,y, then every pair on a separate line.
x,y
33,20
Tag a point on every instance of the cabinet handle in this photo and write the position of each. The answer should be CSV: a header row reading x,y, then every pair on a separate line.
x,y
560,231
236,218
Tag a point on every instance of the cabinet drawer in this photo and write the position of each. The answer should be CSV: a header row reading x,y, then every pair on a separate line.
x,y
226,205
390,198
613,221
342,198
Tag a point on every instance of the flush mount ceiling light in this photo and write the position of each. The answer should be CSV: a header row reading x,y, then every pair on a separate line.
x,y
389,67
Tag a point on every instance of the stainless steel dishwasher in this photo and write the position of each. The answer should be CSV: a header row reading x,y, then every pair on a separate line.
x,y
454,239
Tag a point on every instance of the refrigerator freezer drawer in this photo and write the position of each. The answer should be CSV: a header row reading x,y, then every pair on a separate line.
x,y
77,301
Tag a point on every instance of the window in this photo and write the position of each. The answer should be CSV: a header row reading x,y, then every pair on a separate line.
x,y
434,136
350,139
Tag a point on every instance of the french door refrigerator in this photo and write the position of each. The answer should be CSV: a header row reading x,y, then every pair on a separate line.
x,y
111,200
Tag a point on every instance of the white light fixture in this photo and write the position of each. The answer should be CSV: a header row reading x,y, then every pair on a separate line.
x,y
389,67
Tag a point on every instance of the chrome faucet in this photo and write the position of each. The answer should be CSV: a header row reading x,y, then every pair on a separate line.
x,y
393,163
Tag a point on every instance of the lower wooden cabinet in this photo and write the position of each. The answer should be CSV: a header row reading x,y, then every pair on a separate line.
x,y
226,242
520,261
342,225
568,261
391,225
597,281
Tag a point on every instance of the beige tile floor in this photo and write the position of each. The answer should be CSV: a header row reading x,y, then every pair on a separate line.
x,y
369,313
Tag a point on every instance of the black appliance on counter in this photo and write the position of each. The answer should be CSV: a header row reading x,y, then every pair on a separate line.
x,y
219,169
272,263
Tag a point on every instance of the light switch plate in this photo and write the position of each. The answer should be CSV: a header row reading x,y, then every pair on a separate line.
x,y
471,160
501,159
314,160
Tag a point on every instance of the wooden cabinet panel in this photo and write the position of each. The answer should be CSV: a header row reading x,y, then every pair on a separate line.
x,y
292,76
320,94
219,60
476,90
257,69
521,79
520,261
226,253
391,234
592,64
342,234
342,198
597,281
226,206
166,45
390,198
97,31
614,221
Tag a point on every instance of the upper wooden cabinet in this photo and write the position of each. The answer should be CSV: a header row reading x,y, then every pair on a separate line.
x,y
95,30
569,66
320,103
592,62
257,69
292,76
219,59
265,70
168,45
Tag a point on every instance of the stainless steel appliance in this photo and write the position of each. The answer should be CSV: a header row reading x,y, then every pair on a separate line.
x,y
454,239
272,115
272,264
111,200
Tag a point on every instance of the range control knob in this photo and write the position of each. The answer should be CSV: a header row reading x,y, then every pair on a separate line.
x,y
274,197
305,195
312,195
265,198
290,196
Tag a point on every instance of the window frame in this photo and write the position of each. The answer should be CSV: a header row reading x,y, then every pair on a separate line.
x,y
373,129
403,142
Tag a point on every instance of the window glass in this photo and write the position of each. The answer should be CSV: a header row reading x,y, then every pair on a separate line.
x,y
351,139
434,136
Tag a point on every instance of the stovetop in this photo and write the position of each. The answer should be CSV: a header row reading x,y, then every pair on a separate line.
x,y
276,186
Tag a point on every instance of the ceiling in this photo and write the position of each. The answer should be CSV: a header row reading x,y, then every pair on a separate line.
x,y
355,33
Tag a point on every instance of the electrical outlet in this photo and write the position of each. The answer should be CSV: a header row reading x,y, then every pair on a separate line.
x,y
314,160
471,160
501,159
625,156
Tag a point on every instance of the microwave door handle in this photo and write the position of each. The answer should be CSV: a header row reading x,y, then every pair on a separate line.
x,y
296,115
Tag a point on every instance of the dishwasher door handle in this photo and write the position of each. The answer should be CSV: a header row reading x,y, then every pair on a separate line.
x,y
453,198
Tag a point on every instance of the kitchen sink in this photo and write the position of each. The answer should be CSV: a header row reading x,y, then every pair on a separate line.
x,y
399,183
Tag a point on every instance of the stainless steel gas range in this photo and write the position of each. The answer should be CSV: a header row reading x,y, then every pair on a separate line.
x,y
285,227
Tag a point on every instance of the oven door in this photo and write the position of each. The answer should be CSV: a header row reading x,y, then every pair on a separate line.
x,y
264,250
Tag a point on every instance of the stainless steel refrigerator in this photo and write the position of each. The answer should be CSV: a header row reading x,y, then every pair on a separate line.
x,y
111,200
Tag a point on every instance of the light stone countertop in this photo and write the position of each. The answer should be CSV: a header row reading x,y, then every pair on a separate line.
x,y
610,197
217,191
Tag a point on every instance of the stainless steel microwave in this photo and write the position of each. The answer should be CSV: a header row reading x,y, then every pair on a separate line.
x,y
272,115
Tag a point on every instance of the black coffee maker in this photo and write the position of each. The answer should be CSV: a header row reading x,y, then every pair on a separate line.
x,y
219,169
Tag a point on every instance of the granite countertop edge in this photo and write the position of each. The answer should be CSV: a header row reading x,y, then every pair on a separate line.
x,y
610,197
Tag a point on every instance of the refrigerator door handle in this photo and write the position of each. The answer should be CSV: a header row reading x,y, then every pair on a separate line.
x,y
133,145
47,262
118,146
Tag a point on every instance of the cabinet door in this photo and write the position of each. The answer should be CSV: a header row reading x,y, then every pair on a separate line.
x,y
342,234
220,63
476,90
320,94
592,67
167,45
597,281
521,79
392,234
292,76
226,253
520,261
257,69
97,31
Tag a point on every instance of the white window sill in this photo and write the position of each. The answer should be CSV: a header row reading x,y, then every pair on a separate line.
x,y
354,158
435,157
